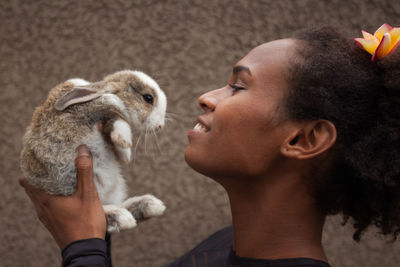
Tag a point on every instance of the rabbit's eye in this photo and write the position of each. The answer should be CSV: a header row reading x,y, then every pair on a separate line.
x,y
148,98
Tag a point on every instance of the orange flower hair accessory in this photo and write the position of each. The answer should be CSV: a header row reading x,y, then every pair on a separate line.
x,y
382,43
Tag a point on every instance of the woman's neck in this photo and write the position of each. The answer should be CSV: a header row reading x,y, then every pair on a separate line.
x,y
275,219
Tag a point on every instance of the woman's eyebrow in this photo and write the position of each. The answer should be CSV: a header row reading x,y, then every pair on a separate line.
x,y
240,68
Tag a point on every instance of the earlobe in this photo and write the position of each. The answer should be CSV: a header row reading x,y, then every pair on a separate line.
x,y
311,140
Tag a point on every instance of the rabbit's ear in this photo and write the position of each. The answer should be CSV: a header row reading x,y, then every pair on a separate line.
x,y
75,96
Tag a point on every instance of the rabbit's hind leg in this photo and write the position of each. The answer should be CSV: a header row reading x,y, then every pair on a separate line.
x,y
118,218
144,207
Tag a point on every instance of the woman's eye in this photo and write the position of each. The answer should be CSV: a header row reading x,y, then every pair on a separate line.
x,y
236,88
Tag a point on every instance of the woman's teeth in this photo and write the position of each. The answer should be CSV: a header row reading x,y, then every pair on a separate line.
x,y
200,127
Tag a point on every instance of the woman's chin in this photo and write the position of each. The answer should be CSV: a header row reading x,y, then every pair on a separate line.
x,y
195,161
190,157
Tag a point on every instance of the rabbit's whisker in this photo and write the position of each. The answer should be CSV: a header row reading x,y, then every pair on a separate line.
x,y
172,115
170,119
145,141
155,136
135,150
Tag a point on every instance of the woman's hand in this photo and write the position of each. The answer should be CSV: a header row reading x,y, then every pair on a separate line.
x,y
71,218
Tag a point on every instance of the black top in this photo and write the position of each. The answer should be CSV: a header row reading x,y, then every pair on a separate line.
x,y
216,250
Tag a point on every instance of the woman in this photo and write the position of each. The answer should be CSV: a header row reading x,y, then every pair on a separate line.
x,y
305,127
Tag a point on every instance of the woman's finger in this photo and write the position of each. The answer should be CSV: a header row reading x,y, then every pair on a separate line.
x,y
29,193
22,181
84,172
27,186
33,193
99,125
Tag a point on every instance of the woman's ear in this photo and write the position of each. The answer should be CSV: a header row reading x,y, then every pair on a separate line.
x,y
310,140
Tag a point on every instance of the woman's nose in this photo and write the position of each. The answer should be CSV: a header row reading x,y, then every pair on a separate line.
x,y
209,100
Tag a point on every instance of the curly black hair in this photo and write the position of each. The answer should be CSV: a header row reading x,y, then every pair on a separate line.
x,y
333,79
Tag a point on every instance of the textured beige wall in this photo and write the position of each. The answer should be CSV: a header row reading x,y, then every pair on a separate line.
x,y
189,47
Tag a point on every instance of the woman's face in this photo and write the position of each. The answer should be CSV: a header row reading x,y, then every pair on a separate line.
x,y
243,124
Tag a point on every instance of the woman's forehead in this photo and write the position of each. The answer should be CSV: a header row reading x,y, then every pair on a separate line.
x,y
270,60
274,52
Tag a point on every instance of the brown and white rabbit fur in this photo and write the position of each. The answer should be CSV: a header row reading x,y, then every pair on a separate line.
x,y
125,101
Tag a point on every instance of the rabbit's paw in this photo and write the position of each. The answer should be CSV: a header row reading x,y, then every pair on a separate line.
x,y
121,135
124,154
118,218
144,207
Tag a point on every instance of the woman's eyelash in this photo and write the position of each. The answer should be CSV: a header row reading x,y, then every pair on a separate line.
x,y
236,88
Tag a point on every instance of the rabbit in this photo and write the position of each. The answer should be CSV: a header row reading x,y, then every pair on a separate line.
x,y
124,101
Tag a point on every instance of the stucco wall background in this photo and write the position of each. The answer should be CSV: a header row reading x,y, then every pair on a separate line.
x,y
190,48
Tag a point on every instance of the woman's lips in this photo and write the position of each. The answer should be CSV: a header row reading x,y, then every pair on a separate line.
x,y
200,128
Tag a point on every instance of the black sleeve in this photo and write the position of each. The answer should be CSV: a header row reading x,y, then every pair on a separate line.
x,y
108,242
92,252
213,251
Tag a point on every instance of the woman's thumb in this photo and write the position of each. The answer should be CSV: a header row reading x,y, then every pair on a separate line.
x,y
84,171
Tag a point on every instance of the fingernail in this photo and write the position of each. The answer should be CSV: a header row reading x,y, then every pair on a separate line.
x,y
83,151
